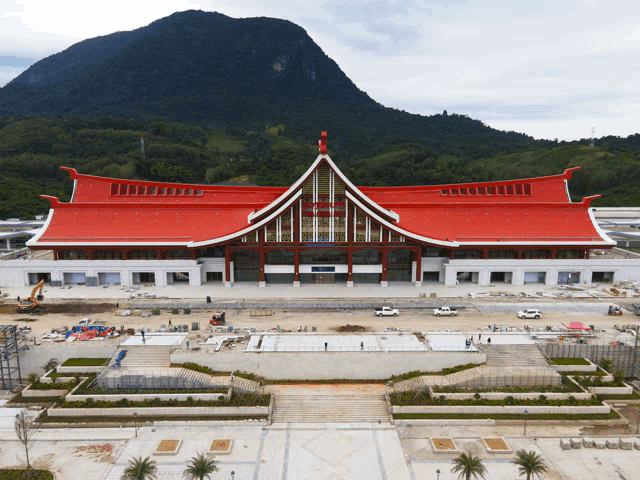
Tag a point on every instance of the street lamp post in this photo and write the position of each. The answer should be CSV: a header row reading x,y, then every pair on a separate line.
x,y
526,412
438,473
135,423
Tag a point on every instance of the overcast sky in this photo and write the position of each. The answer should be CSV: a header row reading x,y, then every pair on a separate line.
x,y
550,69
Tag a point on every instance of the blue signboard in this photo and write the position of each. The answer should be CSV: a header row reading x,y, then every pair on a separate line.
x,y
323,269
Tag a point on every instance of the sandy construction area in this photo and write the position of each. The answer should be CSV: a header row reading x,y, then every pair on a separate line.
x,y
60,314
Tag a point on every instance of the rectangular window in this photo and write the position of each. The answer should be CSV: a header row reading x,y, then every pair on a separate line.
x,y
481,190
509,189
518,189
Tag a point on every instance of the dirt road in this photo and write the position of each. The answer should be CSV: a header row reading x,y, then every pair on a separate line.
x,y
69,313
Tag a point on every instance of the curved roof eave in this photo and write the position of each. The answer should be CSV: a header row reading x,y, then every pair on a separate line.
x,y
303,178
397,229
248,230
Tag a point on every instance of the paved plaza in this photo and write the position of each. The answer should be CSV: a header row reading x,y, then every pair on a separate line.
x,y
310,342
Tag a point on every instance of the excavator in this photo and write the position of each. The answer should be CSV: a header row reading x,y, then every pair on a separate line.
x,y
31,304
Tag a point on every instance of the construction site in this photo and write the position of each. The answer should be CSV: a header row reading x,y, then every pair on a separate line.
x,y
383,396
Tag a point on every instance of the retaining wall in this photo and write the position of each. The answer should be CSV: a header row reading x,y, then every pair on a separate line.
x,y
79,369
592,367
32,360
513,409
29,393
503,395
136,397
626,390
330,365
157,411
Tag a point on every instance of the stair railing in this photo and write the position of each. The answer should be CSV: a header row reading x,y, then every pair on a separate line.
x,y
389,406
544,353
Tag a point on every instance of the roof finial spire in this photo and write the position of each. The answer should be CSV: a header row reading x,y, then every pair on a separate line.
x,y
322,143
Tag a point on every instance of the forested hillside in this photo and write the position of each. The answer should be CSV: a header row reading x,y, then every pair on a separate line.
x,y
32,149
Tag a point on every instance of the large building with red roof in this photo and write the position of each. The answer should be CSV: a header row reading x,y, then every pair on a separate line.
x,y
322,229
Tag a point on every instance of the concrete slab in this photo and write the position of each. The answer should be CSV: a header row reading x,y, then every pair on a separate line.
x,y
315,342
587,442
565,444
613,443
576,443
155,339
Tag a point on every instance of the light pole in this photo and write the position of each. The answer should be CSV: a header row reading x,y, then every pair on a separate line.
x,y
233,474
135,423
438,473
526,412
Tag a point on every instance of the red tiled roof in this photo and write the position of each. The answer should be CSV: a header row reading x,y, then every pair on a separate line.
x,y
107,210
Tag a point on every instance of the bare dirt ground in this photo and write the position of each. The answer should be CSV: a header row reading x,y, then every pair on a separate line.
x,y
60,314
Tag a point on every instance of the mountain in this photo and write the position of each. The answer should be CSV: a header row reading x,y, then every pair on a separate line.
x,y
210,69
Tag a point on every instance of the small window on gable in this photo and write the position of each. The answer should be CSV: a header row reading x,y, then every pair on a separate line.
x,y
171,191
123,189
189,191
501,190
509,189
491,190
472,191
114,189
445,192
133,189
198,192
454,191
141,190
179,191
519,189
527,189
463,191
481,190
151,191
162,191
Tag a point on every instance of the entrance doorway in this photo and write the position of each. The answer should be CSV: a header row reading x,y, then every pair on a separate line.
x,y
36,278
467,277
501,277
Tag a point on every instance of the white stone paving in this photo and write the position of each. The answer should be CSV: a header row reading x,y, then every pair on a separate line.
x,y
311,342
155,339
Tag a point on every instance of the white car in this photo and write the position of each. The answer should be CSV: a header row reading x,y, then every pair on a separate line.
x,y
530,313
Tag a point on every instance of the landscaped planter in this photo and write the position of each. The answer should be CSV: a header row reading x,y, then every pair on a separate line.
x,y
138,397
592,367
79,369
517,396
128,412
30,393
626,390
508,409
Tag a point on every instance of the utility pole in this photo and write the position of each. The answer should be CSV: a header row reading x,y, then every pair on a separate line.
x,y
142,146
593,142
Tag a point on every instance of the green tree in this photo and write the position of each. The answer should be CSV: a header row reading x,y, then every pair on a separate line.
x,y
530,463
467,466
199,467
140,469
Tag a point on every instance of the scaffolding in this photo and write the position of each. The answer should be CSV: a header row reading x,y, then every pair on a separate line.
x,y
9,358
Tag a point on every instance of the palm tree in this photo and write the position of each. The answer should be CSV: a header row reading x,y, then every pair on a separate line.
x,y
530,464
468,465
140,469
199,468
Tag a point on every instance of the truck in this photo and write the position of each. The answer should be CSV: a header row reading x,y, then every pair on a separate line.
x,y
85,322
446,311
385,312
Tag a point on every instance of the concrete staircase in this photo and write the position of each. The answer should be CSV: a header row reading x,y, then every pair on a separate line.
x,y
514,356
146,356
465,377
330,409
244,385
201,378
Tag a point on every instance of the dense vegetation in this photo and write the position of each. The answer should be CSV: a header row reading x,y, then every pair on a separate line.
x,y
218,99
32,149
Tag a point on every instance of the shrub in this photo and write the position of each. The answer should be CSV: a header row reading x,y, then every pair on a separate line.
x,y
606,364
510,400
221,397
618,377
543,398
476,396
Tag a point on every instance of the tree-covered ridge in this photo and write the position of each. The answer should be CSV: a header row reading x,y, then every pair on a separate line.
x,y
32,149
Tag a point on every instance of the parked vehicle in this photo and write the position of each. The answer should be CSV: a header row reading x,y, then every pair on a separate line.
x,y
615,310
530,313
446,311
385,312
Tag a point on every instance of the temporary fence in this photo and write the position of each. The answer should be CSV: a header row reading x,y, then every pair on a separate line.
x,y
156,380
620,355
416,349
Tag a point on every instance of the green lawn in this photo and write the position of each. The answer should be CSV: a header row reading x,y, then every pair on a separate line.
x,y
569,361
12,474
84,362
